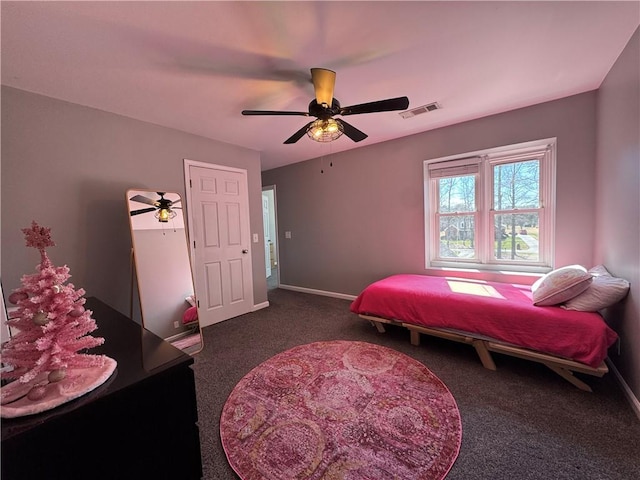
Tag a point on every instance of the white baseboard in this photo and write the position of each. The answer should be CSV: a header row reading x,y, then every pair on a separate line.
x,y
633,401
313,291
260,306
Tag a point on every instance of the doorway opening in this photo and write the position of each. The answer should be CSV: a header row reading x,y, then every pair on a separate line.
x,y
270,222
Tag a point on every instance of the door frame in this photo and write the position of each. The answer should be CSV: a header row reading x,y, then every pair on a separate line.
x,y
275,221
189,217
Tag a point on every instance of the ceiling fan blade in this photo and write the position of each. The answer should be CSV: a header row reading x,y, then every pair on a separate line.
x,y
143,210
323,83
298,135
143,199
352,132
391,104
273,112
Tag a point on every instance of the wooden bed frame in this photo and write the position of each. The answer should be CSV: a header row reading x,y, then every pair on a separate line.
x,y
484,346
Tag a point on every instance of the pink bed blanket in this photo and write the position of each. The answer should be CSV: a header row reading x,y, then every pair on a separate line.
x,y
501,311
190,315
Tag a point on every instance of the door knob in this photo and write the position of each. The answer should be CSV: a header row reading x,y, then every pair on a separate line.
x,y
245,251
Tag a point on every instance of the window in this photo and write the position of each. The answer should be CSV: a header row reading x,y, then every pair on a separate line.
x,y
492,209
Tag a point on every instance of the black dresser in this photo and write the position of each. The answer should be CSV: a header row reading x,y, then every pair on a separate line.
x,y
140,424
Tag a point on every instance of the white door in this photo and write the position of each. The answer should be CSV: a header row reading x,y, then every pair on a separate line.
x,y
265,223
220,233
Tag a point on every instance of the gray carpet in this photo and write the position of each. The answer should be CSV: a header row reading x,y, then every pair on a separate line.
x,y
520,422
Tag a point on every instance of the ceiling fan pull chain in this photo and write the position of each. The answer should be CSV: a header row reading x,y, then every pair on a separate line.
x,y
330,153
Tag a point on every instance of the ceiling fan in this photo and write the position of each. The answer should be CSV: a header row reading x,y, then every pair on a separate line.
x,y
324,107
162,206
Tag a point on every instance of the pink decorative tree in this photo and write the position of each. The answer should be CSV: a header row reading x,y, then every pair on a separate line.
x,y
51,325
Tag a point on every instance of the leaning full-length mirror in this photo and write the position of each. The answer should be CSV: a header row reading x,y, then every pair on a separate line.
x,y
162,268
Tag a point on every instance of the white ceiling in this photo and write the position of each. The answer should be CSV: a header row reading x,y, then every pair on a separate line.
x,y
194,66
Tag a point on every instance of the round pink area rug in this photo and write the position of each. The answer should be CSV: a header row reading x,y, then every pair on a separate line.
x,y
341,410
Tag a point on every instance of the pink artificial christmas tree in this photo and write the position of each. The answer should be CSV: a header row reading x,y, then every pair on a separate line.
x,y
52,328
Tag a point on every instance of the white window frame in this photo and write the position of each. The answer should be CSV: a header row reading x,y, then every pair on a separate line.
x,y
543,150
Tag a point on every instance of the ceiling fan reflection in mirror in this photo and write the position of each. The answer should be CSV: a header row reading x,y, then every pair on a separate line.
x,y
324,107
163,207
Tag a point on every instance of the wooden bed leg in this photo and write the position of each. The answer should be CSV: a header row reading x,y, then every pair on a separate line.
x,y
484,354
568,376
415,337
379,326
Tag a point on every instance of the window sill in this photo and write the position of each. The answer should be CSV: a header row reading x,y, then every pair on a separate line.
x,y
489,274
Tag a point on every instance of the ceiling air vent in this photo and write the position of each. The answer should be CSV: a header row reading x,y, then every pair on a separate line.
x,y
430,107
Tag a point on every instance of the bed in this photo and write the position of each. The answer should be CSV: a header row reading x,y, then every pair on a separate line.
x,y
492,317
190,316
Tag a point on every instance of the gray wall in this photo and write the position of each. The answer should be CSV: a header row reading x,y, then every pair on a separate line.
x,y
362,219
68,167
618,200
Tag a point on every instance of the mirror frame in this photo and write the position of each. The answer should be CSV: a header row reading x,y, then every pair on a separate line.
x,y
145,270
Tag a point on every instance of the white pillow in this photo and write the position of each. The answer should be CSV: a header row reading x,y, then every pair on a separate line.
x,y
560,285
599,270
191,300
604,291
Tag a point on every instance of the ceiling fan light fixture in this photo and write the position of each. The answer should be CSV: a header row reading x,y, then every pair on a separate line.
x,y
325,130
164,214
324,107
